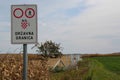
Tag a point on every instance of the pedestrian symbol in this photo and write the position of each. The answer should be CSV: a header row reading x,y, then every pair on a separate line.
x,y
29,12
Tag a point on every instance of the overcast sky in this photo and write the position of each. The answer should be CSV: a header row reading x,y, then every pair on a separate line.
x,y
81,26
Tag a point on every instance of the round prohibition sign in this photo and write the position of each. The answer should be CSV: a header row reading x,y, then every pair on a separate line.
x,y
29,12
18,12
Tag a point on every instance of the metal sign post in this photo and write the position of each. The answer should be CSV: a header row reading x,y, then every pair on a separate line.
x,y
24,29
25,61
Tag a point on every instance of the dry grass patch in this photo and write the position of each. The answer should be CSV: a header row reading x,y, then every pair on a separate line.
x,y
11,68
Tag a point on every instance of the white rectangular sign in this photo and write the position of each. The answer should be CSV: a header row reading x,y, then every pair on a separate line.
x,y
23,24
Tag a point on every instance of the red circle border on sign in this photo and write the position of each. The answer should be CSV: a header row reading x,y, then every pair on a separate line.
x,y
16,10
26,12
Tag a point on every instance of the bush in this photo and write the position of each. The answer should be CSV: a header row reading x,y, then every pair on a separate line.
x,y
58,69
66,77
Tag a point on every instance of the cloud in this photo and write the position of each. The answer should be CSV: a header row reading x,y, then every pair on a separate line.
x,y
86,26
101,18
48,8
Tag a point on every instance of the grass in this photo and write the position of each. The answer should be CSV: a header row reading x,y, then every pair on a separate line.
x,y
104,68
56,76
110,63
95,68
99,72
74,73
99,68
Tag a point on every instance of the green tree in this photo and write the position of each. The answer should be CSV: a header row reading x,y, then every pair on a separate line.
x,y
50,49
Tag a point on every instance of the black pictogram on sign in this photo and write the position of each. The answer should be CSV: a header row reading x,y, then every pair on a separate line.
x,y
29,12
